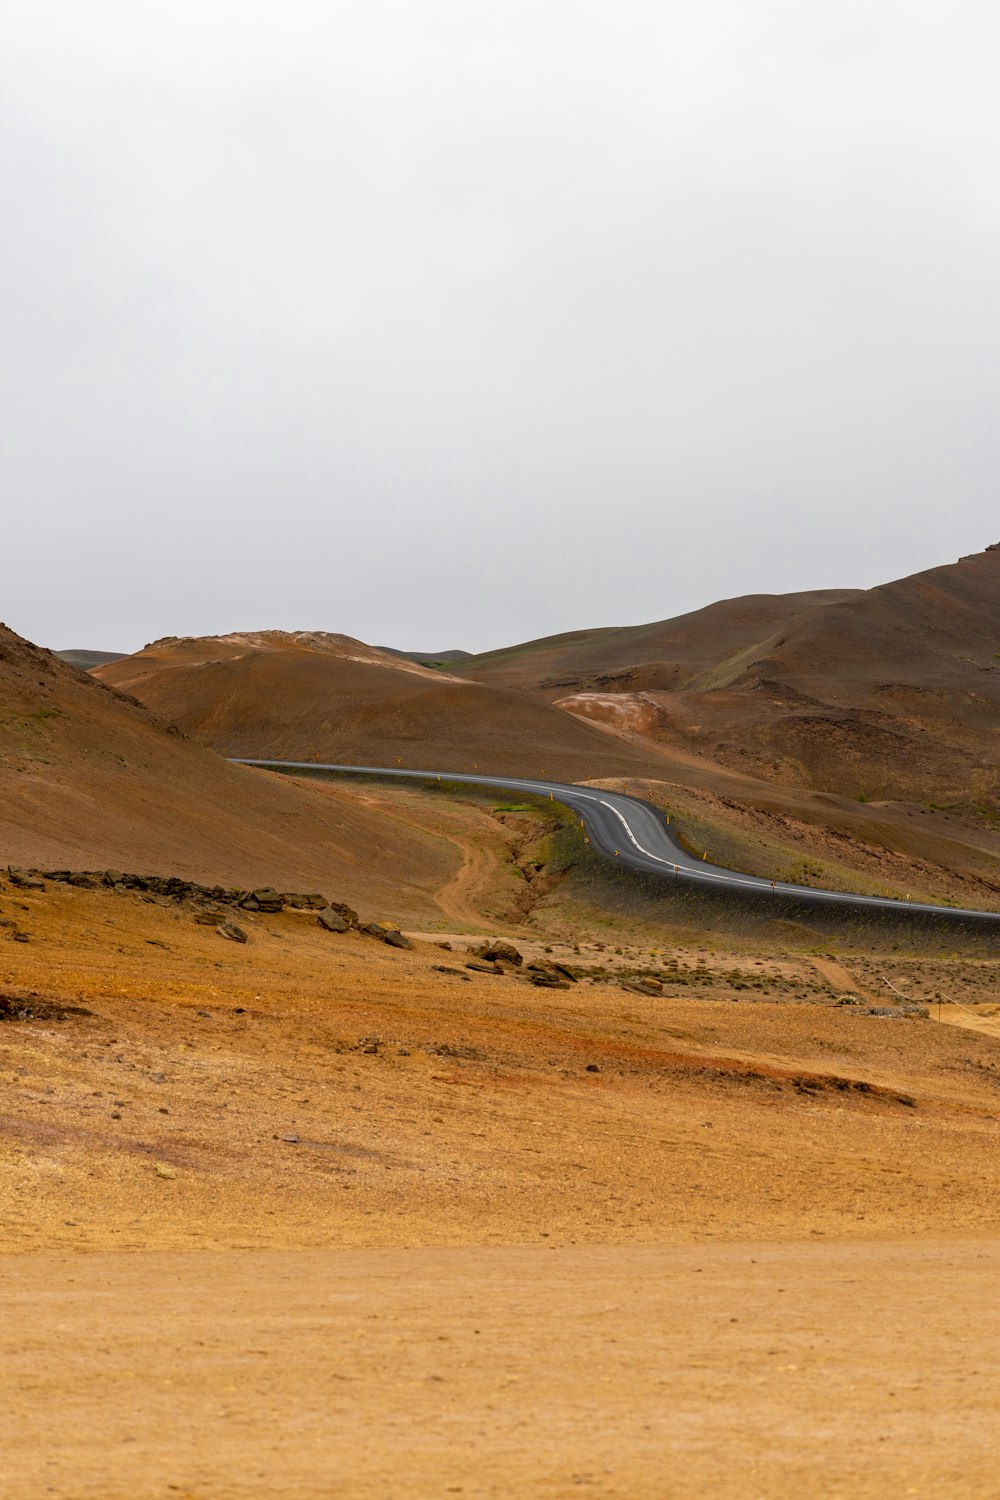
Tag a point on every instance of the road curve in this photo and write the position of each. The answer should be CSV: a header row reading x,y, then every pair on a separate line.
x,y
635,834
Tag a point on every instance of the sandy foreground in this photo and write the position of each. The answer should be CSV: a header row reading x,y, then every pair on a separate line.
x,y
315,1217
870,1369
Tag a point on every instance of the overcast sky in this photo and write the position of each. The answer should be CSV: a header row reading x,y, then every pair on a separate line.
x,y
457,322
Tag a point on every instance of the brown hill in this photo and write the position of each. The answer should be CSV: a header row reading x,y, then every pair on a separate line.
x,y
667,655
90,779
313,696
887,692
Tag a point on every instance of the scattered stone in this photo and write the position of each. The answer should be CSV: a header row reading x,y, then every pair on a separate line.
x,y
898,1012
208,918
333,921
544,980
20,937
292,1140
167,1173
403,1052
231,931
484,968
264,898
549,966
592,1068
643,986
34,1009
311,902
499,952
83,880
397,940
445,946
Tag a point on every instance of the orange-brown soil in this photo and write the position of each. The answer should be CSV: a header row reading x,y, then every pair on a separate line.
x,y
891,692
330,1163
851,1369
844,738
309,696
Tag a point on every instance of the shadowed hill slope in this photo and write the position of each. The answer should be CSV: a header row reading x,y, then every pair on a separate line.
x,y
319,697
665,655
90,779
886,692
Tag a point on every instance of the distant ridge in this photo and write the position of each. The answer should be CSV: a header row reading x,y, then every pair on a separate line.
x,y
428,658
87,659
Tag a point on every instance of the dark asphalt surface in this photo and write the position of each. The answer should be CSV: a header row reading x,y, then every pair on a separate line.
x,y
635,833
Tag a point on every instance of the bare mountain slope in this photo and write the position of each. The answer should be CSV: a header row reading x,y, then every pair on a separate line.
x,y
886,692
90,779
666,655
322,697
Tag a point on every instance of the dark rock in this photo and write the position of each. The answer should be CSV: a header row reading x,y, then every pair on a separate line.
x,y
312,901
209,918
333,921
25,880
12,1009
231,931
113,877
484,968
544,981
348,913
445,946
498,952
643,986
593,1068
397,940
549,966
84,881
264,898
374,929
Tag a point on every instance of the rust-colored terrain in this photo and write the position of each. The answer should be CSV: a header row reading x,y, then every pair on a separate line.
x,y
90,779
312,696
891,692
313,1212
568,1188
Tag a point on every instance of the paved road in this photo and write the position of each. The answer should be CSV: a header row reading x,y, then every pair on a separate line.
x,y
636,834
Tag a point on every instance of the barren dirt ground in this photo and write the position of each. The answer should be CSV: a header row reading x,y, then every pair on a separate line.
x,y
865,1369
314,1216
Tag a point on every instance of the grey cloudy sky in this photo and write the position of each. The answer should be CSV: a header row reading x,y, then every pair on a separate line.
x,y
455,322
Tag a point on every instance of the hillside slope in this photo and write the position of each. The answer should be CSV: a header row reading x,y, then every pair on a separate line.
x,y
90,779
312,696
889,692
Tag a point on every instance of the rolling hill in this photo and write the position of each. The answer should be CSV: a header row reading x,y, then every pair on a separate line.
x,y
91,779
887,692
314,696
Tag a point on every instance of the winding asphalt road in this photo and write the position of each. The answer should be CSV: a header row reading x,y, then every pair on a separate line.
x,y
636,834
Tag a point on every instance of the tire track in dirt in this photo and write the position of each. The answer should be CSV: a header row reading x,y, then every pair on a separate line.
x,y
459,895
